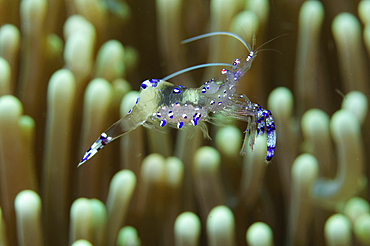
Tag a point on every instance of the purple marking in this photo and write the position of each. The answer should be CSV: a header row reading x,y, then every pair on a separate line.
x,y
270,128
196,116
176,90
236,62
154,82
129,112
143,86
103,138
194,122
86,157
180,124
137,100
270,153
170,114
163,123
204,90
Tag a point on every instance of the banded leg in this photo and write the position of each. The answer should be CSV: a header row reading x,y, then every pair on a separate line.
x,y
271,137
265,120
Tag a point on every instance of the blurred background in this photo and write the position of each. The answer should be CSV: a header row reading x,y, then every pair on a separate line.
x,y
70,69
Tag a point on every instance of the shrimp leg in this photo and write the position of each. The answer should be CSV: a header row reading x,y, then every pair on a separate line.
x,y
258,120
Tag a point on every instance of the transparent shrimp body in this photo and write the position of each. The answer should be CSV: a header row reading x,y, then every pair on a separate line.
x,y
161,104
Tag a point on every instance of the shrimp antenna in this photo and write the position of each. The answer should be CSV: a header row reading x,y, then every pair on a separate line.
x,y
270,41
216,34
270,50
195,67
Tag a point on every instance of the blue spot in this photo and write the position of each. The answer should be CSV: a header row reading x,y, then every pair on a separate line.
x,y
143,85
154,82
163,123
180,86
104,139
86,157
209,81
270,153
194,121
129,112
219,103
180,124
270,126
137,100
170,114
212,102
159,115
196,117
204,90
177,91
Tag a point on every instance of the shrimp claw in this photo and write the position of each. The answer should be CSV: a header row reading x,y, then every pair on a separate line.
x,y
102,141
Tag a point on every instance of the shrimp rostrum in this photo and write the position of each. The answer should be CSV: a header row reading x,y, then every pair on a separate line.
x,y
161,104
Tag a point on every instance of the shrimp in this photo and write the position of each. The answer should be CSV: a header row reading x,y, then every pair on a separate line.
x,y
161,103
